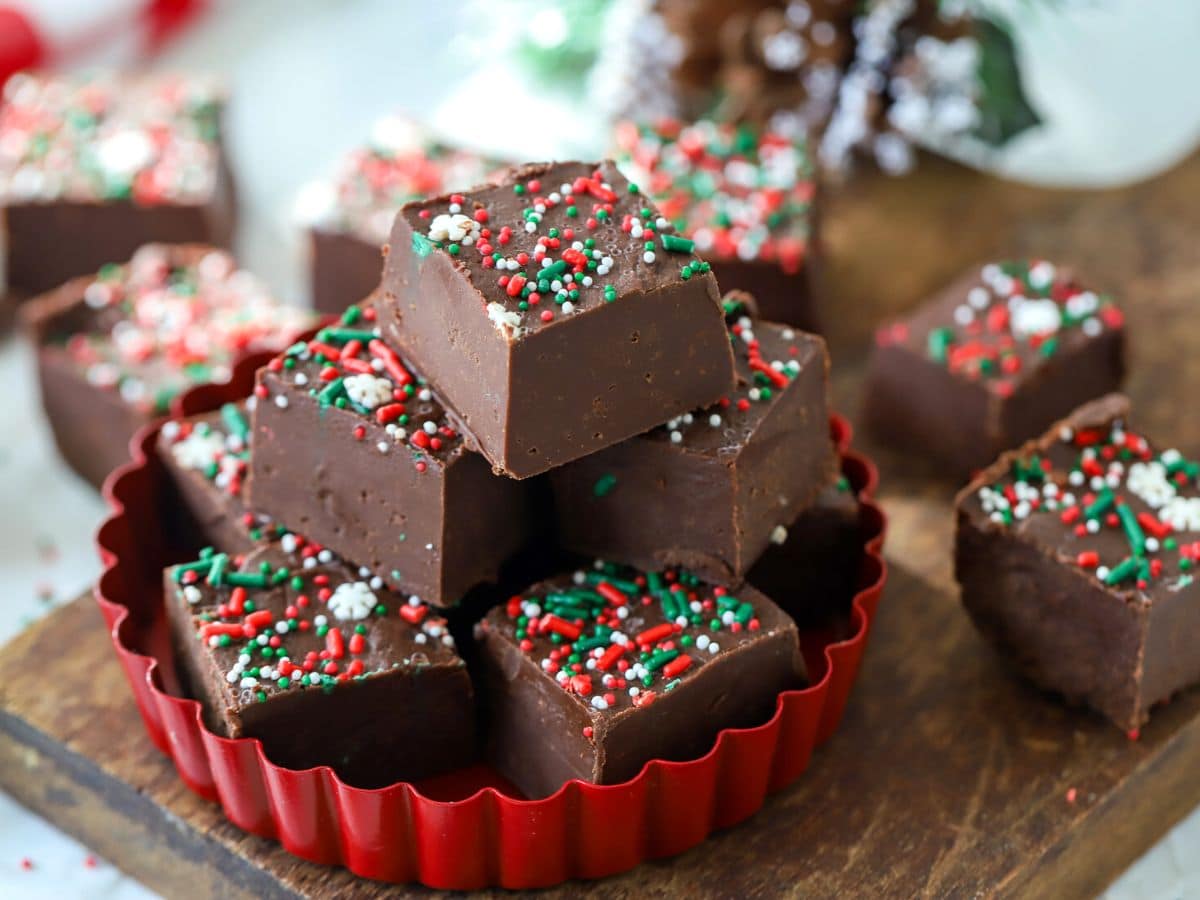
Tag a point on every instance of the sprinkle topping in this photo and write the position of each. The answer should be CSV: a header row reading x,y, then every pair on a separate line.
x,y
553,240
1108,503
351,367
149,140
737,192
1013,317
172,318
400,163
274,628
617,637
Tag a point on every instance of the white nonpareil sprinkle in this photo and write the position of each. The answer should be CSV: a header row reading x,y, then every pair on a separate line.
x,y
1150,482
352,600
1182,513
199,450
1030,317
779,534
454,227
506,320
368,390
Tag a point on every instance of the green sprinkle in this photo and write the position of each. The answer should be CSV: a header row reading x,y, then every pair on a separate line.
x,y
331,391
421,245
234,421
676,244
604,485
939,344
1126,569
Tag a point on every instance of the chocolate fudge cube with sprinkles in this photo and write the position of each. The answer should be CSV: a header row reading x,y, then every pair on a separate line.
x,y
557,312
708,489
745,195
1077,556
323,664
353,448
991,361
114,349
207,458
592,675
94,166
350,215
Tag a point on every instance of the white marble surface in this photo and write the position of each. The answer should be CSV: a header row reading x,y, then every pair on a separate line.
x,y
309,77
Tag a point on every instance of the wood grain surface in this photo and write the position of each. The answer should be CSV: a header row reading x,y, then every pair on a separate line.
x,y
950,776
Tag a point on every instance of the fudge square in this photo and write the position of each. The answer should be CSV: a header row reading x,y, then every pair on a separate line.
x,y
593,674
709,488
992,360
207,459
350,214
557,312
353,448
114,349
744,194
94,166
1077,556
324,665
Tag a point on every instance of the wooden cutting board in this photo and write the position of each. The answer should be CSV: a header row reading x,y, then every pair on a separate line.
x,y
949,776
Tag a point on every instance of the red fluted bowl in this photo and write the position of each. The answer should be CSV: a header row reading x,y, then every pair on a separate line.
x,y
461,831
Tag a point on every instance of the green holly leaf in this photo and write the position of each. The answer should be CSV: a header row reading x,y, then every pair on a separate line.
x,y
1004,109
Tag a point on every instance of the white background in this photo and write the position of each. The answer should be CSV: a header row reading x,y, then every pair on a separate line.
x,y
309,77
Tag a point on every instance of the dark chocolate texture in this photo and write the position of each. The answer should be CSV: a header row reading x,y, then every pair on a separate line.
x,y
992,360
1076,556
539,369
324,665
353,448
709,488
592,675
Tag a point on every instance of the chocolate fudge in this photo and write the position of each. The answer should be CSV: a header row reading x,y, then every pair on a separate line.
x,y
353,448
207,459
350,215
324,665
594,674
744,194
557,312
707,489
114,349
810,567
1077,554
93,167
990,361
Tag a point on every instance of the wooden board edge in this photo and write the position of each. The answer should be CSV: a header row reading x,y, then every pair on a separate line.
x,y
121,824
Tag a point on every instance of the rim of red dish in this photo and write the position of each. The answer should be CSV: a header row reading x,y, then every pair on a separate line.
x,y
203,397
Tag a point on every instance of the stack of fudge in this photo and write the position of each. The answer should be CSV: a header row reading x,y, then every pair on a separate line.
x,y
544,443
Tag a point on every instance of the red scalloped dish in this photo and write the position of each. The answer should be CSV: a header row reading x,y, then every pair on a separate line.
x,y
461,831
